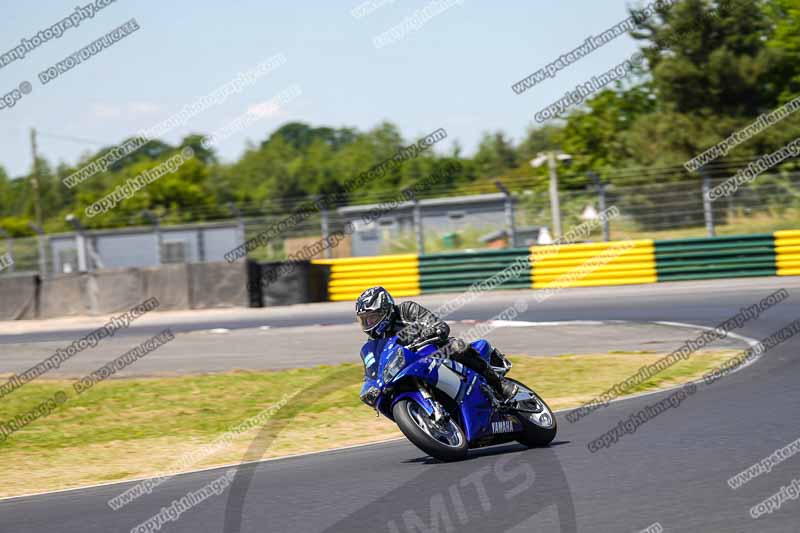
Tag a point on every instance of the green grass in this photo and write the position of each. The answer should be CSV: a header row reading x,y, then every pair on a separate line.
x,y
127,428
737,224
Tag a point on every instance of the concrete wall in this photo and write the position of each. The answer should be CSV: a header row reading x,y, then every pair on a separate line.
x,y
218,285
18,297
66,295
109,291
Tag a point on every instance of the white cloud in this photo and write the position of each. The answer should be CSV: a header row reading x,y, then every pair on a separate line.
x,y
265,109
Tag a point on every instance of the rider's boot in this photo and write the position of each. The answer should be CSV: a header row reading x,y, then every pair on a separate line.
x,y
505,388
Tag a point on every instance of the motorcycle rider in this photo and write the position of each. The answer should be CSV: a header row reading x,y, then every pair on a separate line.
x,y
413,324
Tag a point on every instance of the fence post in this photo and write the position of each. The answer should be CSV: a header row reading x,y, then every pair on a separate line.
x,y
239,222
707,208
40,236
325,223
509,209
80,242
555,205
418,231
601,192
156,222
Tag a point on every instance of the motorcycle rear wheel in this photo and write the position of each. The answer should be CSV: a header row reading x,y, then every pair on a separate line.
x,y
535,436
445,441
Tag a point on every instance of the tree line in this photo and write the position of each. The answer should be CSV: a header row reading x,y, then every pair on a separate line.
x,y
712,68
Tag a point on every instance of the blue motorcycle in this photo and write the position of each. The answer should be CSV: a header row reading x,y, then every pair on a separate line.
x,y
445,408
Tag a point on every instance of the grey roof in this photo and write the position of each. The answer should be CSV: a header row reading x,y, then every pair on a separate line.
x,y
147,229
428,202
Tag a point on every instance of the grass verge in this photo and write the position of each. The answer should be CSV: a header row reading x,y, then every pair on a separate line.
x,y
131,428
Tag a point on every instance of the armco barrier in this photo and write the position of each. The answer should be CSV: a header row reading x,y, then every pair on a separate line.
x,y
787,251
716,257
350,276
456,272
592,264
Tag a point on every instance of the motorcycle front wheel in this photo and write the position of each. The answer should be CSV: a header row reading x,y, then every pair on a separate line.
x,y
444,441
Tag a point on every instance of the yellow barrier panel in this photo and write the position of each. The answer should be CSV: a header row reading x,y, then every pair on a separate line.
x,y
787,252
350,276
593,264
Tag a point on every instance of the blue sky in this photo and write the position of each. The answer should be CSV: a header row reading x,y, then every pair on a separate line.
x,y
454,72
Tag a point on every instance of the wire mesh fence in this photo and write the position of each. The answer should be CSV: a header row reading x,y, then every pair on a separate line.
x,y
395,224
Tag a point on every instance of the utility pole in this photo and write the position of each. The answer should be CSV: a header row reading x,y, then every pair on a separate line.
x,y
37,205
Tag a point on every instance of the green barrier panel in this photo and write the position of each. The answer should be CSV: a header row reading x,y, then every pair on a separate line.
x,y
716,257
458,271
481,253
464,267
705,240
717,275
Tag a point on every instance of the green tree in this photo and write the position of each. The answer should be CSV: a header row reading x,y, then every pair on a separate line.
x,y
495,155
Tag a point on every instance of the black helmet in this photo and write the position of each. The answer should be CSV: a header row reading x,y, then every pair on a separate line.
x,y
374,310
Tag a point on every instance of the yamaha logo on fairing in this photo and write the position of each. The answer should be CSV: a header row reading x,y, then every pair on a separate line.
x,y
504,426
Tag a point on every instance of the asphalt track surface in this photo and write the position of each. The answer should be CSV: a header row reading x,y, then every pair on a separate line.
x,y
224,350
671,471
